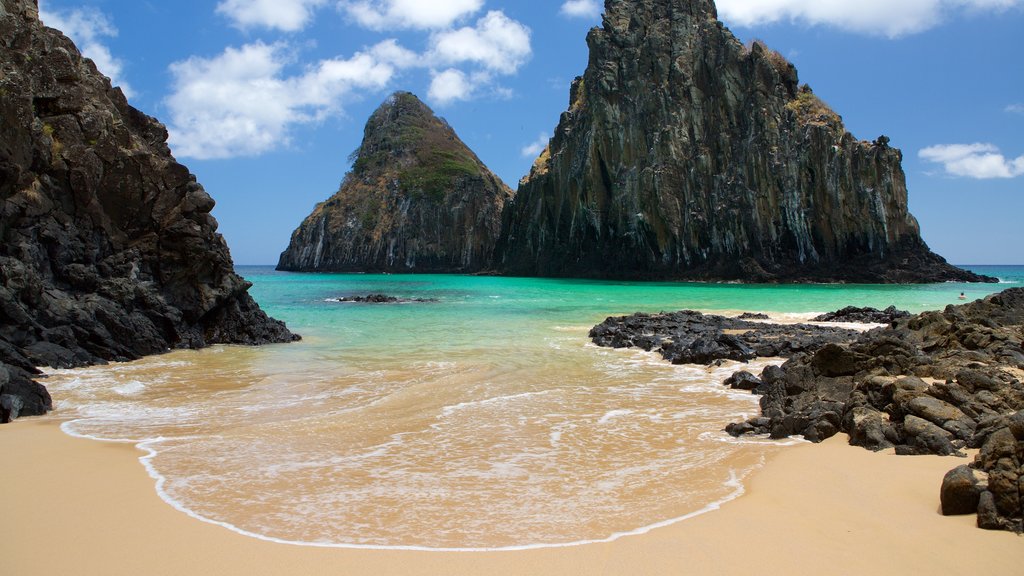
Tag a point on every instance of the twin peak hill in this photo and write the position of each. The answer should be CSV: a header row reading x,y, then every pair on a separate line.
x,y
684,155
417,200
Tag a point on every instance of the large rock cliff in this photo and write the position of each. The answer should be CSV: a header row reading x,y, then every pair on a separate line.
x,y
108,250
685,154
417,200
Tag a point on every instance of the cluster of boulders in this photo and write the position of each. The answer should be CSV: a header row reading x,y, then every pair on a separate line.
x,y
689,337
863,315
993,485
932,383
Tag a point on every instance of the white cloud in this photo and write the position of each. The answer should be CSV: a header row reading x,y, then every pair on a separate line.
x,y
534,149
87,27
242,103
449,86
980,161
497,43
1015,109
581,9
878,17
405,14
284,15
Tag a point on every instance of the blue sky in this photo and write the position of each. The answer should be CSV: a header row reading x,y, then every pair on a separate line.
x,y
265,99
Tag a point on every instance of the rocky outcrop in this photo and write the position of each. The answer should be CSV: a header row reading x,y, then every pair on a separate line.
x,y
932,383
1000,498
108,250
689,337
686,155
863,315
417,200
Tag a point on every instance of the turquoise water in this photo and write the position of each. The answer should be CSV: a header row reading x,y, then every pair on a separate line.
x,y
472,308
483,420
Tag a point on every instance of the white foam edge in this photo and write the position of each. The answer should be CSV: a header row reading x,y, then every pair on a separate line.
x,y
735,482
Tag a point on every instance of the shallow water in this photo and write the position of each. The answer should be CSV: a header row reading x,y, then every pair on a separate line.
x,y
482,420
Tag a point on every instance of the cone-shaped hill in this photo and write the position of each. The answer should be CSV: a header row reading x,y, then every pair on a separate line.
x,y
417,200
687,155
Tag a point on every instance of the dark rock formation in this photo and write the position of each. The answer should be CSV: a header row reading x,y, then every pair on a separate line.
x,y
1000,504
875,387
417,200
961,492
743,380
108,249
379,299
685,155
863,315
874,390
690,337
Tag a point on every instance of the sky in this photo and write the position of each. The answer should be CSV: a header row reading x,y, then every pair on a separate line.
x,y
265,99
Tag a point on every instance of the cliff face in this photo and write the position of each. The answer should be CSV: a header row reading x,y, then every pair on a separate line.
x,y
108,250
685,154
417,200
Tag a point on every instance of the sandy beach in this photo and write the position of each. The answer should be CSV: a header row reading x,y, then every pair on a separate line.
x,y
84,507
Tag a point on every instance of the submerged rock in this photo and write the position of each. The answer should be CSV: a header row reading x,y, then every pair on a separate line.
x,y
379,299
108,250
417,200
686,155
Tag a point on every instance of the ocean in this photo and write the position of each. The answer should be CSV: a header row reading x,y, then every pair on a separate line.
x,y
482,418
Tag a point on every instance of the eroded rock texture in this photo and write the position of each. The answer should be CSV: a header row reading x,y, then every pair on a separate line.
x,y
417,200
108,250
686,155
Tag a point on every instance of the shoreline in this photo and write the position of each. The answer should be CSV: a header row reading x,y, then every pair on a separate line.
x,y
98,508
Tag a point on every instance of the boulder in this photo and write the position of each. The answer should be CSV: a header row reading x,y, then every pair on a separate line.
x,y
961,492
923,437
743,380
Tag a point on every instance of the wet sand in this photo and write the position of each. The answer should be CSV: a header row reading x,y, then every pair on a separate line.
x,y
74,506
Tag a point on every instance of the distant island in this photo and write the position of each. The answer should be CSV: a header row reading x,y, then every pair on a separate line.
x,y
684,155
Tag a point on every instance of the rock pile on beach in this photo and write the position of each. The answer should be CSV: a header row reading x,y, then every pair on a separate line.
x,y
108,250
931,383
689,337
863,315
926,384
993,485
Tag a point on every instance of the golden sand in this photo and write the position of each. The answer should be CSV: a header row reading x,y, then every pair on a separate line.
x,y
81,507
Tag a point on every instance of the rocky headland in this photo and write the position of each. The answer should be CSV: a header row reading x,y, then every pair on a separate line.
x,y
417,200
109,250
686,155
930,383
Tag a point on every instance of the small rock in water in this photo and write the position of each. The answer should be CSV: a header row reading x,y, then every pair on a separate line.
x,y
379,299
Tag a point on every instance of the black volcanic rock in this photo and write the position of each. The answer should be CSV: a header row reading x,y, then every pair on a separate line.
x,y
974,357
379,299
108,250
689,337
863,315
417,200
686,155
